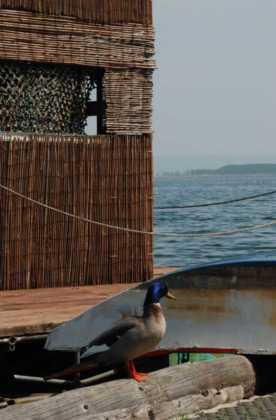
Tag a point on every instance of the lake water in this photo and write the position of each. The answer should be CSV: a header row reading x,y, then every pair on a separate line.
x,y
181,251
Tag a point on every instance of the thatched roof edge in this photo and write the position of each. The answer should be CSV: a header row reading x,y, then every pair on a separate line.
x,y
97,11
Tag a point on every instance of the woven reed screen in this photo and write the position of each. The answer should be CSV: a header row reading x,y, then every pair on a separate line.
x,y
28,37
104,178
98,11
128,99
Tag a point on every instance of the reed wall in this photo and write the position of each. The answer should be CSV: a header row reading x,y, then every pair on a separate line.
x,y
103,178
106,178
128,101
28,37
97,11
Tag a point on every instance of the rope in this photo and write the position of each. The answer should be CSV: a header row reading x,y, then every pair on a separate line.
x,y
123,229
73,216
216,203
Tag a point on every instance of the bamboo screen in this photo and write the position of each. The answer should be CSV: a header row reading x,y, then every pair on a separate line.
x,y
128,99
98,11
29,37
103,178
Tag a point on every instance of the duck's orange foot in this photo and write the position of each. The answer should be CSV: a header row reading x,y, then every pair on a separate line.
x,y
138,376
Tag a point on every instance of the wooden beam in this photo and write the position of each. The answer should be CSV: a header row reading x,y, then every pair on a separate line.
x,y
92,109
101,105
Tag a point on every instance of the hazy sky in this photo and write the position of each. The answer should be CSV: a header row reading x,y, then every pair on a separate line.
x,y
215,89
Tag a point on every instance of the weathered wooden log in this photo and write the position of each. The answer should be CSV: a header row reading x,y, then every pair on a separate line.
x,y
178,390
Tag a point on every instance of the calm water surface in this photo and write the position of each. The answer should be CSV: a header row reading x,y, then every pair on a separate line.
x,y
179,252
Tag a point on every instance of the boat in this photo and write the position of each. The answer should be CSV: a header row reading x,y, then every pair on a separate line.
x,y
227,306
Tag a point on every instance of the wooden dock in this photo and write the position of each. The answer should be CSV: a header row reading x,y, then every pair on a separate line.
x,y
37,311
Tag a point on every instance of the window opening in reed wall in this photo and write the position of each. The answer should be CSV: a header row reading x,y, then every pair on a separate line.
x,y
91,126
45,98
96,107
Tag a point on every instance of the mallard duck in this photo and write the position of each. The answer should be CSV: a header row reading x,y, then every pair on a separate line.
x,y
130,337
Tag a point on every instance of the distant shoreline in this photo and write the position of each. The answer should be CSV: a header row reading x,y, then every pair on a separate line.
x,y
249,169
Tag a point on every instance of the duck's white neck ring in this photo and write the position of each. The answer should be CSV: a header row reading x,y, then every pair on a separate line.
x,y
149,308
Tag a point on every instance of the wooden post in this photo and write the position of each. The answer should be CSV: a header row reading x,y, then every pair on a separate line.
x,y
100,114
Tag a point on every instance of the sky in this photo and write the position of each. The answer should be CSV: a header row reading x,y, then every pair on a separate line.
x,y
215,86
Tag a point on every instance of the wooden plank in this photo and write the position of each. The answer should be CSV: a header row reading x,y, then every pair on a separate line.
x,y
162,271
36,311
92,109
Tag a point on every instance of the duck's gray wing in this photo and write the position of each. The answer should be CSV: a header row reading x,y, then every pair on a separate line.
x,y
110,336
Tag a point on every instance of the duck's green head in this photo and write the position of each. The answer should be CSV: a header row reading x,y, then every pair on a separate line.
x,y
155,292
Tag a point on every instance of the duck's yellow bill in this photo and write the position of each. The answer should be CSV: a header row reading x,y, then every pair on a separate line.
x,y
169,295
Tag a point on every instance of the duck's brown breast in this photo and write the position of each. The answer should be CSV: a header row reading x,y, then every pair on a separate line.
x,y
156,321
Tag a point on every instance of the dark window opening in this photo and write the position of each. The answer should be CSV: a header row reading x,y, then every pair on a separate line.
x,y
95,107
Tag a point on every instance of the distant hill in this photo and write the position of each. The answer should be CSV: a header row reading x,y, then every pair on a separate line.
x,y
249,169
253,168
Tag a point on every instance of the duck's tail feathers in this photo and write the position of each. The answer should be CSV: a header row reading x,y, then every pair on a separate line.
x,y
92,364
